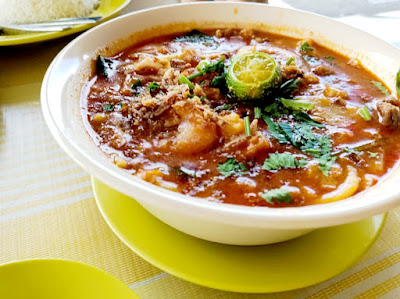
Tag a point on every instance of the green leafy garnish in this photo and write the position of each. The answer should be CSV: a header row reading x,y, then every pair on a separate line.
x,y
302,137
373,155
153,86
225,107
185,80
274,110
297,105
363,111
290,85
257,112
280,195
352,151
283,160
197,37
136,84
275,129
329,57
380,86
232,167
247,125
290,60
210,67
105,66
305,118
108,107
305,47
398,83
219,81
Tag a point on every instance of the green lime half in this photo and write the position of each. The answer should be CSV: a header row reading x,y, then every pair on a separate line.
x,y
398,83
253,75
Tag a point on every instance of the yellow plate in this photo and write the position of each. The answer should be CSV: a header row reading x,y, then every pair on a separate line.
x,y
61,279
107,9
294,264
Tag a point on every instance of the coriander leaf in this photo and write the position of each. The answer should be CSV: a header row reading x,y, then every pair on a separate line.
x,y
373,155
275,129
282,160
364,112
225,107
329,57
108,107
305,118
153,86
105,66
274,110
232,167
287,87
381,87
280,195
325,163
305,47
190,96
196,37
297,105
352,151
219,81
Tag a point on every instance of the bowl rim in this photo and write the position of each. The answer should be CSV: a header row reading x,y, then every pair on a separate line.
x,y
312,216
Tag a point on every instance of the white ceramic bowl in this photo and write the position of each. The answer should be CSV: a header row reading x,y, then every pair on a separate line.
x,y
225,223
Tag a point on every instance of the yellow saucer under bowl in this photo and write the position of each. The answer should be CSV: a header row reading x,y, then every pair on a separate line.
x,y
107,10
285,266
61,279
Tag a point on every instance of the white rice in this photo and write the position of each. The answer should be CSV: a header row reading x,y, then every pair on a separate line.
x,y
30,11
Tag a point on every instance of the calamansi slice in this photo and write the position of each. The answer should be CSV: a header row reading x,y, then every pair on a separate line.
x,y
252,76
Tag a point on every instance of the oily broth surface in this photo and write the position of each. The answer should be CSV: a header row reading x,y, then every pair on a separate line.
x,y
145,146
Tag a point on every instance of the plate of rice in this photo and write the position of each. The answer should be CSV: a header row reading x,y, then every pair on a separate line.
x,y
32,11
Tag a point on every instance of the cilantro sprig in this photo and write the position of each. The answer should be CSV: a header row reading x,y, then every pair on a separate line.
x,y
281,195
277,161
232,167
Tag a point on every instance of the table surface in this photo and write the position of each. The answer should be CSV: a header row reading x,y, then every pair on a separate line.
x,y
47,209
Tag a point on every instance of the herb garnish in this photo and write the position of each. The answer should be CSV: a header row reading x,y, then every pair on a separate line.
x,y
153,86
352,151
373,155
209,67
196,36
329,57
283,160
363,111
289,61
257,112
297,105
108,107
232,167
185,80
306,48
381,87
219,81
281,195
225,107
105,66
290,85
247,125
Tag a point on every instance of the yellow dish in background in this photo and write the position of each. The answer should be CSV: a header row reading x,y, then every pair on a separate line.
x,y
61,279
107,10
284,266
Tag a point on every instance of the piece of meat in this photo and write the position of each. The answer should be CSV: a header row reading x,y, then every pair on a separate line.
x,y
389,112
323,70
